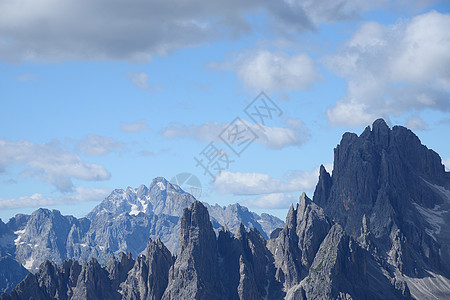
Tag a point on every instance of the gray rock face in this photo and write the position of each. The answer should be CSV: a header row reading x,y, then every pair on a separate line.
x,y
11,273
125,278
392,194
235,214
195,274
50,282
297,243
93,283
148,278
246,266
340,271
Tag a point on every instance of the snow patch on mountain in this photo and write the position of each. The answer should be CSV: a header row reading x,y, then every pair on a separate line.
x,y
19,237
161,185
29,264
134,210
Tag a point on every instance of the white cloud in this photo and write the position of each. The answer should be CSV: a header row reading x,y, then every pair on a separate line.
x,y
416,123
265,70
98,145
135,30
50,162
447,164
134,126
238,183
140,80
208,131
294,133
38,200
35,200
271,201
392,70
82,194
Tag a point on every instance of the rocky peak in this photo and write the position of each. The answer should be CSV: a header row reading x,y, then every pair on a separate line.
x,y
142,191
195,273
381,133
195,225
323,187
385,176
93,283
296,245
148,278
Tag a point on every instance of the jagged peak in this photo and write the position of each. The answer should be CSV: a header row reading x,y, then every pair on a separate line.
x,y
161,183
380,124
240,232
159,179
323,171
291,217
304,199
111,259
195,216
125,257
46,211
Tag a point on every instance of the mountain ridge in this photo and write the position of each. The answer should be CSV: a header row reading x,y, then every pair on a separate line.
x,y
122,222
376,228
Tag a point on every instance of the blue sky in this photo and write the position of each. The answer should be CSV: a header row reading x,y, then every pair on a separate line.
x,y
98,95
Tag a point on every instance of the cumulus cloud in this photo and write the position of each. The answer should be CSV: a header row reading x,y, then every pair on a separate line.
x,y
135,30
271,201
35,200
208,131
134,126
394,69
38,200
49,162
294,133
265,70
416,123
238,183
98,145
82,194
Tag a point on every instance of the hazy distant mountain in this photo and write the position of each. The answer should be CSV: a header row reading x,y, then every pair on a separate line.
x,y
122,222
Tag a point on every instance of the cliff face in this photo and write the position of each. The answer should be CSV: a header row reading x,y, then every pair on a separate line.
x,y
398,185
296,245
195,273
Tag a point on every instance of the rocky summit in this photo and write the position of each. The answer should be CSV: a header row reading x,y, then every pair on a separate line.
x,y
376,228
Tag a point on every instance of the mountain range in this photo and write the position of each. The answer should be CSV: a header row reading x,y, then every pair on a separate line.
x,y
122,222
376,228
